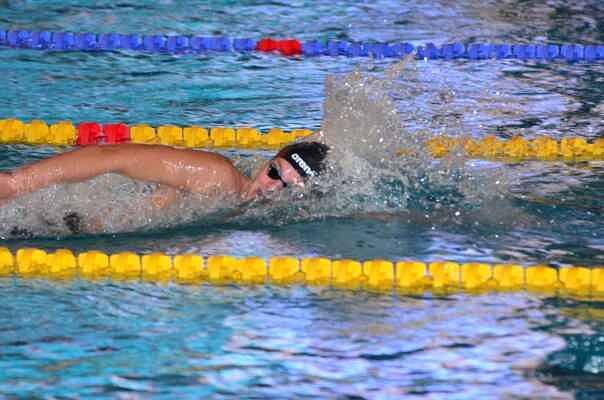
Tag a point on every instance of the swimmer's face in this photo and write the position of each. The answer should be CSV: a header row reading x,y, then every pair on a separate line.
x,y
275,175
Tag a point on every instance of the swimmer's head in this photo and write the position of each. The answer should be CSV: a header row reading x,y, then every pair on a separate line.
x,y
307,158
291,166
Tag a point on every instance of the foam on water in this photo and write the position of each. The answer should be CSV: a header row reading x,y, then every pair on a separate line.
x,y
378,160
377,164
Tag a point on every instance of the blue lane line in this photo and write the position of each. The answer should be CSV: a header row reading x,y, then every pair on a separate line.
x,y
69,41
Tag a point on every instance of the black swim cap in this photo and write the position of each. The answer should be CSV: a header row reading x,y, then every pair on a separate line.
x,y
308,158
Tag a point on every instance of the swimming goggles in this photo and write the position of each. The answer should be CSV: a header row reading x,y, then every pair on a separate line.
x,y
274,174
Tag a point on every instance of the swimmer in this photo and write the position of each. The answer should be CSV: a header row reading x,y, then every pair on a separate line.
x,y
175,170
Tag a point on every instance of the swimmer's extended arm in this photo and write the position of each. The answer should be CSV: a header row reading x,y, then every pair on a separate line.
x,y
178,169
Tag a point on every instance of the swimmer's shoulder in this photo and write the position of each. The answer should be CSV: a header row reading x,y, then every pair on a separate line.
x,y
197,169
163,151
215,160
210,170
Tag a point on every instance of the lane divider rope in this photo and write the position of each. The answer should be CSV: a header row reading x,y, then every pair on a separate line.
x,y
517,148
180,44
410,276
64,133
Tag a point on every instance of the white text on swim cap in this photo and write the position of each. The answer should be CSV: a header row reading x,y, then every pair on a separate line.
x,y
302,164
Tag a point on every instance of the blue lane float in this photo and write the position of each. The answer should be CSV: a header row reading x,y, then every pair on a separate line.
x,y
181,44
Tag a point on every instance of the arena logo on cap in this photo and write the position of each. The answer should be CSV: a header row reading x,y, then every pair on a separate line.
x,y
302,164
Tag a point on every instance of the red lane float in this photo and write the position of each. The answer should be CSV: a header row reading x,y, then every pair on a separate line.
x,y
95,133
116,133
287,47
266,44
88,133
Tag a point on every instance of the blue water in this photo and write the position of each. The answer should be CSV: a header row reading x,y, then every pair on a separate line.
x,y
64,340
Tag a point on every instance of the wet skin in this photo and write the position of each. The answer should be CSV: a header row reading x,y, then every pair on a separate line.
x,y
175,170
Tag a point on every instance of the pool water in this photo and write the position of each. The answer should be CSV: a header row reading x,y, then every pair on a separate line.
x,y
104,339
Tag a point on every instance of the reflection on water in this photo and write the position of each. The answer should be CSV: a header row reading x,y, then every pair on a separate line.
x,y
579,366
266,342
